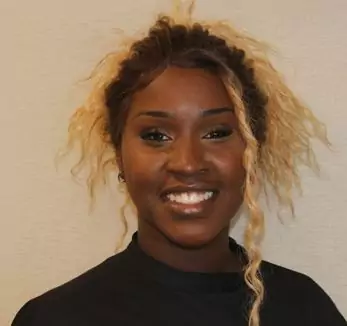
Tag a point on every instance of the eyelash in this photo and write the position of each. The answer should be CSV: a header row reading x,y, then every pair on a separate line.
x,y
223,133
152,135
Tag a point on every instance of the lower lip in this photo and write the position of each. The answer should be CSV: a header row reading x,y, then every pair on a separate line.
x,y
190,209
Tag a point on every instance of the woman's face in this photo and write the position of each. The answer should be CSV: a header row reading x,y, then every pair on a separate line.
x,y
181,154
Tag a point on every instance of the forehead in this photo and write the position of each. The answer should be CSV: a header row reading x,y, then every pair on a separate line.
x,y
181,88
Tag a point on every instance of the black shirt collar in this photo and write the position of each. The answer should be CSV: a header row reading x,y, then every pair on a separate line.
x,y
154,270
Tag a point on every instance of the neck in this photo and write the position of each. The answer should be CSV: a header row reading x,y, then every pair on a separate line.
x,y
212,257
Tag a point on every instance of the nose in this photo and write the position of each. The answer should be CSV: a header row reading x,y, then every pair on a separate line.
x,y
187,158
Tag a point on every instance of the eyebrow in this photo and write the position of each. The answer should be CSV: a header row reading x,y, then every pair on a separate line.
x,y
205,113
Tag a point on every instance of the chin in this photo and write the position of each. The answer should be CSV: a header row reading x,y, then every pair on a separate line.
x,y
190,236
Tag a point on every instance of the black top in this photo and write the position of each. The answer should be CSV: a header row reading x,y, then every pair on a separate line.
x,y
131,288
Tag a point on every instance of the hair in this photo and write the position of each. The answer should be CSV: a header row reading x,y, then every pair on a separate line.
x,y
276,126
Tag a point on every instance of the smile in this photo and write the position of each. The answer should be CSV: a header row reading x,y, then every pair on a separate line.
x,y
190,202
189,197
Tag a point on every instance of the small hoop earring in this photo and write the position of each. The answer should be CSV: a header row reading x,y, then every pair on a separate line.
x,y
121,178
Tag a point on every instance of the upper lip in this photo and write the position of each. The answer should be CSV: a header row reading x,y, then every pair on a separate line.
x,y
188,188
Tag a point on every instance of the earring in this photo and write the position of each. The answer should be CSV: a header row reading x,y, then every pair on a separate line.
x,y
121,177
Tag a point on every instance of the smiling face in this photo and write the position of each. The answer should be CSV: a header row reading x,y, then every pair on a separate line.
x,y
181,154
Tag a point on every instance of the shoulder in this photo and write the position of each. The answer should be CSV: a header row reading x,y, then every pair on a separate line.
x,y
60,305
275,275
297,293
278,279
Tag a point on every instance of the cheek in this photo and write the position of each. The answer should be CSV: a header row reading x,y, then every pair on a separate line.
x,y
142,170
229,163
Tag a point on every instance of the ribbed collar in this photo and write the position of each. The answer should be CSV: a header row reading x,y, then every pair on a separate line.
x,y
154,270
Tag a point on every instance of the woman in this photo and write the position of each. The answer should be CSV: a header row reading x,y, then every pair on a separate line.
x,y
198,123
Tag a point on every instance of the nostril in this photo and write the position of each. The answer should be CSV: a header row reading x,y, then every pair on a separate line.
x,y
188,166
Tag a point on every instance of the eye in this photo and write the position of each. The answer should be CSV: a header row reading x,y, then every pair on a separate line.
x,y
154,136
219,133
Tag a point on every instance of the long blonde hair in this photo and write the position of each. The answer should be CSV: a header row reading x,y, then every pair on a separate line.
x,y
270,164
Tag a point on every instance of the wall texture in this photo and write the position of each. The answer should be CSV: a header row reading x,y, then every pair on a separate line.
x,y
47,47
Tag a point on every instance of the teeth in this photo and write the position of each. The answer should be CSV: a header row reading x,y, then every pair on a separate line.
x,y
190,197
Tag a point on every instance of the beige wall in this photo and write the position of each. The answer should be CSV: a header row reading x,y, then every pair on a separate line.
x,y
46,235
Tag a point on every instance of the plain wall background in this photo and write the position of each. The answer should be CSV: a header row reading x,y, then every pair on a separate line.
x,y
46,234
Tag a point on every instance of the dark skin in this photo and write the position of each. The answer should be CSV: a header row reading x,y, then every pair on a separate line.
x,y
181,135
